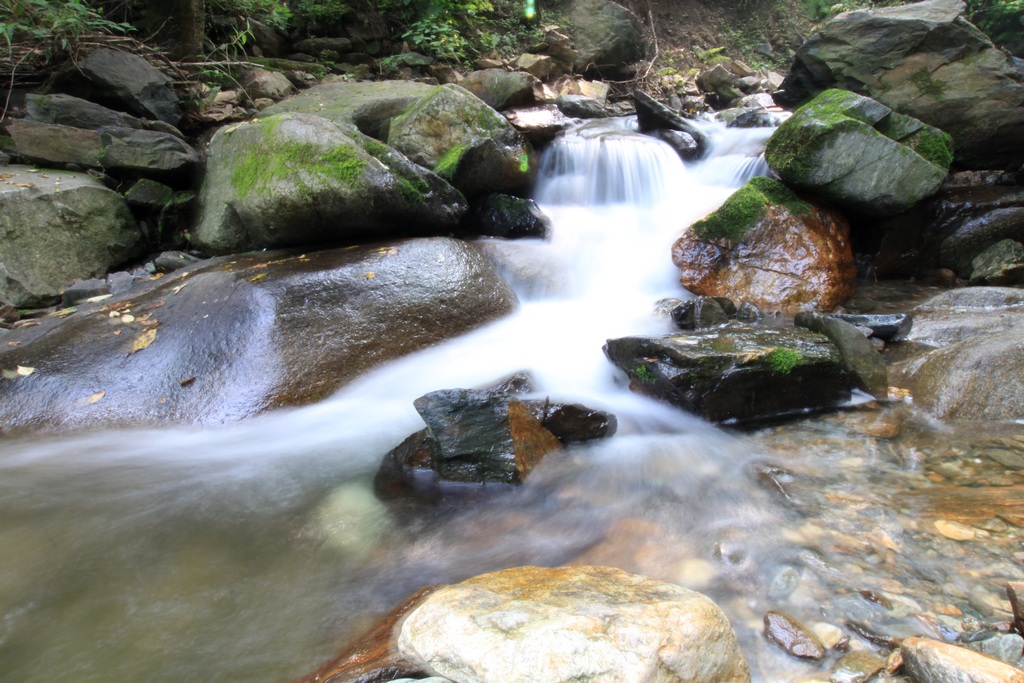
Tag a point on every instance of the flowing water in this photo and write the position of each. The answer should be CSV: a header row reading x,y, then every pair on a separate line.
x,y
251,552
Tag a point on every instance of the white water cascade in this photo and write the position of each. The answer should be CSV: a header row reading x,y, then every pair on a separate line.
x,y
249,552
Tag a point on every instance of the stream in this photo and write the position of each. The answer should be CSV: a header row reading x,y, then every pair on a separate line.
x,y
252,552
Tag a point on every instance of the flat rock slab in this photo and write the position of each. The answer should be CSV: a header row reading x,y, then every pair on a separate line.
x,y
241,335
932,661
571,624
736,374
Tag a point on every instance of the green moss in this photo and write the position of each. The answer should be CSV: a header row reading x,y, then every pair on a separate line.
x,y
448,163
783,360
413,190
644,374
263,164
746,207
922,78
934,145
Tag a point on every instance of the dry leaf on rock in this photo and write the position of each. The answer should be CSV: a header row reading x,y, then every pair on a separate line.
x,y
143,339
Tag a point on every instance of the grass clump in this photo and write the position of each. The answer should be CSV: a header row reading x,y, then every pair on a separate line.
x,y
644,374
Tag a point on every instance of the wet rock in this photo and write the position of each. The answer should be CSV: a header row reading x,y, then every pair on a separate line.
x,y
581,107
66,110
573,623
572,422
55,228
298,179
1000,264
1007,647
963,314
539,124
860,358
481,436
932,661
374,654
887,327
501,89
168,261
237,337
84,289
126,82
924,60
1015,593
790,635
501,215
684,144
700,313
459,137
856,667
370,106
735,374
859,154
767,246
653,115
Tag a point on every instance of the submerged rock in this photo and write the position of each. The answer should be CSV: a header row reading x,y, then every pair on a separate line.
x,y
735,374
767,246
298,179
859,154
790,635
233,338
571,624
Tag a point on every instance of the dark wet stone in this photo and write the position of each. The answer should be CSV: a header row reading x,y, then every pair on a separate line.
x,y
684,144
735,374
173,260
700,313
748,313
85,289
790,635
891,327
573,422
1015,592
502,215
856,667
860,358
652,115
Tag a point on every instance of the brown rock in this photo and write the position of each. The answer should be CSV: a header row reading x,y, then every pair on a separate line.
x,y
932,661
790,635
1015,592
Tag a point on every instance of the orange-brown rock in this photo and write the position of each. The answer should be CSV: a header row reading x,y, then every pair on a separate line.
x,y
790,260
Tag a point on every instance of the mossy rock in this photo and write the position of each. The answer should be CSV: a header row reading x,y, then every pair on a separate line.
x,y
745,208
298,179
455,134
852,151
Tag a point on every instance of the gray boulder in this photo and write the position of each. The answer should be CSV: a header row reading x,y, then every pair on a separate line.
x,y
581,107
237,336
126,82
1000,264
924,60
369,106
571,624
65,110
859,154
260,83
55,228
501,89
735,374
607,37
456,135
298,179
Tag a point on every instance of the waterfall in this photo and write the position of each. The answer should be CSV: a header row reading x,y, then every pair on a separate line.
x,y
243,553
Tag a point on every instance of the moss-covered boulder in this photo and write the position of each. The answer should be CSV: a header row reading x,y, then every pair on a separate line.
x,y
767,246
923,60
233,337
368,105
299,179
57,227
859,154
736,374
456,135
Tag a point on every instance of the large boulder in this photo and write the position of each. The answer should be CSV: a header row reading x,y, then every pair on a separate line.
x,y
456,135
606,36
127,82
501,89
57,227
368,105
735,374
299,179
571,624
767,246
235,337
924,60
66,110
859,154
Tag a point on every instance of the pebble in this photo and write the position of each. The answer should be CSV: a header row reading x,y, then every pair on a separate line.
x,y
790,635
955,530
829,634
856,667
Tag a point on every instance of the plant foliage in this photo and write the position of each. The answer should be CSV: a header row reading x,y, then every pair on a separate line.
x,y
53,26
